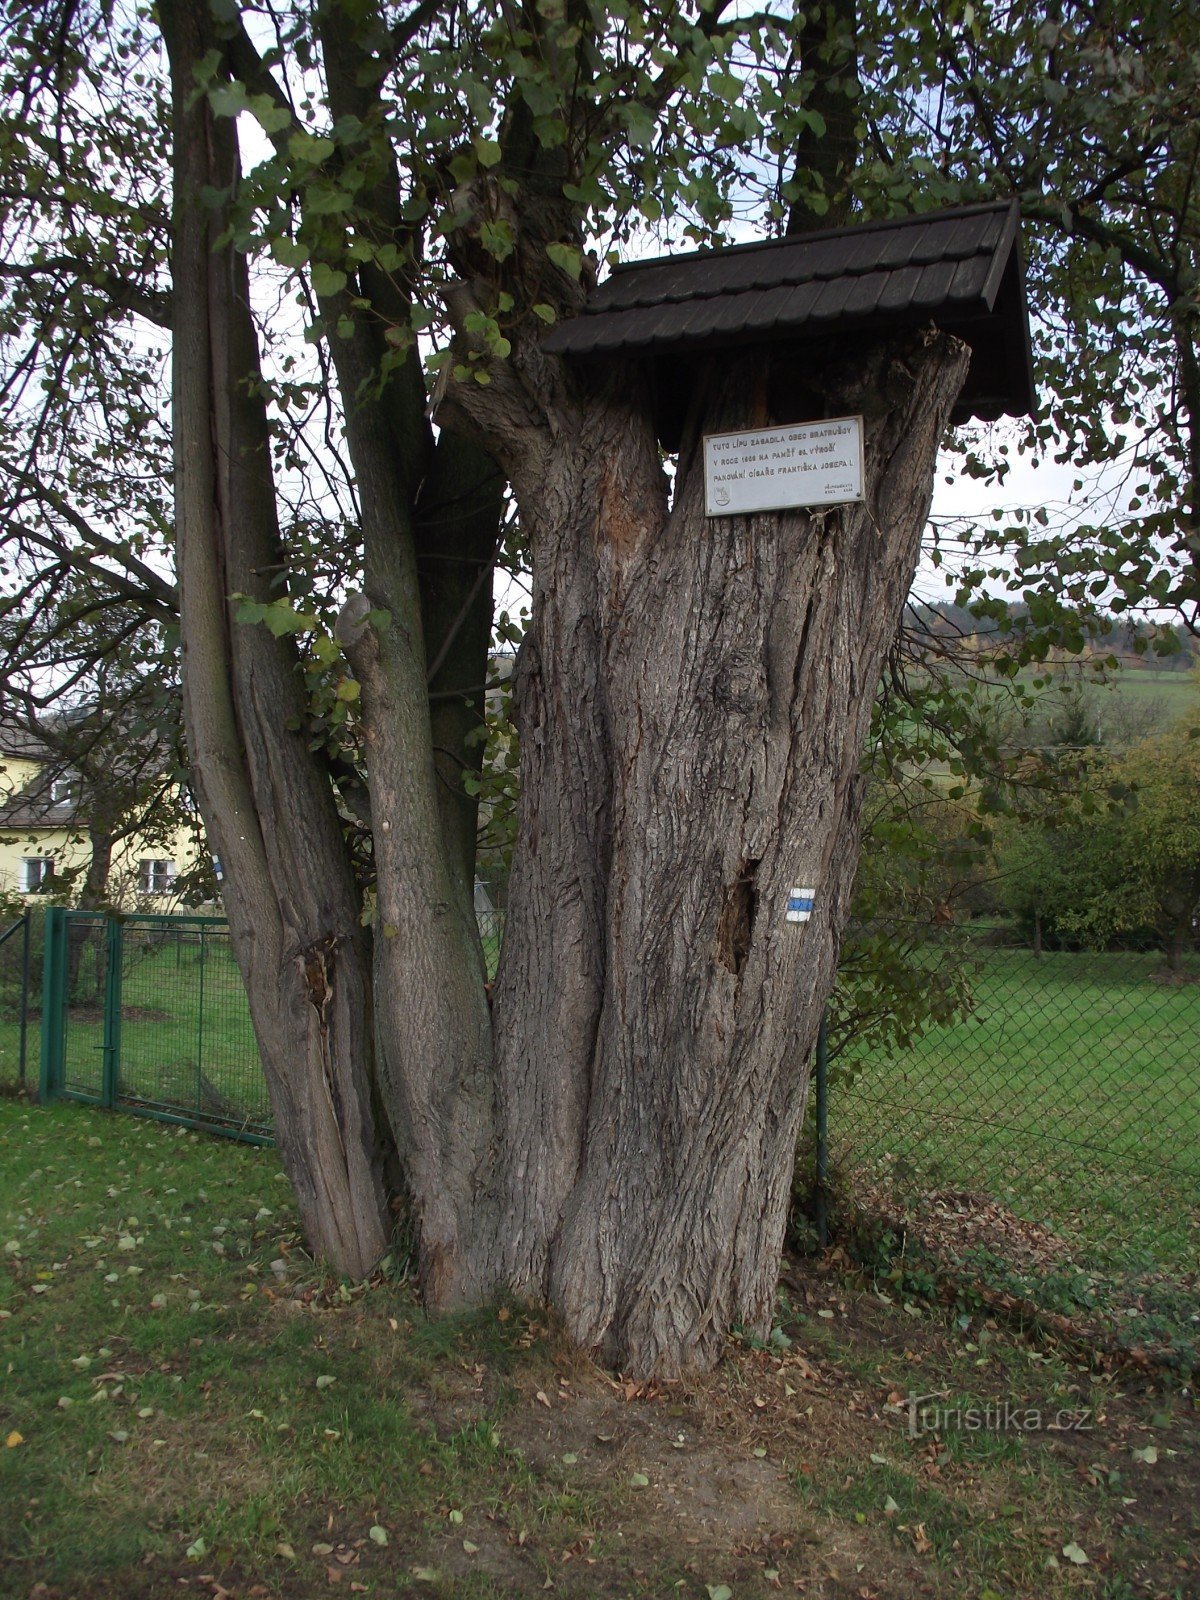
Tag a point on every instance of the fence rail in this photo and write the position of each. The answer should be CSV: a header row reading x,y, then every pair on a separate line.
x,y
16,963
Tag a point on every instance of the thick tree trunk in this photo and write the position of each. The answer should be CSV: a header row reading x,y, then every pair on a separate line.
x,y
267,804
693,701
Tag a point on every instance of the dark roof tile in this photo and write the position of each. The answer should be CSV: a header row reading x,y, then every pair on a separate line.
x,y
959,268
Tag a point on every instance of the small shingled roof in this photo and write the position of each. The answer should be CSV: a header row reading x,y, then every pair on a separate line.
x,y
959,269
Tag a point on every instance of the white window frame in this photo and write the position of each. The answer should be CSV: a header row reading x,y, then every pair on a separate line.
x,y
34,872
62,789
156,875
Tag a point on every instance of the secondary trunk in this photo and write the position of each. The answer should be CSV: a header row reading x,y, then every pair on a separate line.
x,y
267,804
693,700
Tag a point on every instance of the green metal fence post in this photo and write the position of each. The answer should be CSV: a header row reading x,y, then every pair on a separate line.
x,y
200,1027
25,950
54,1004
112,1014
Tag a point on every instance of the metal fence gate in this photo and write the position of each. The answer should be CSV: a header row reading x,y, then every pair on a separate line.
x,y
148,1014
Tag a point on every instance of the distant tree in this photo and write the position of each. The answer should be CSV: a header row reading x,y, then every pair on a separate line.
x,y
1143,857
1120,860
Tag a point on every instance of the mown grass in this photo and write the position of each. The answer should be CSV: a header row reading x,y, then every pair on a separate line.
x,y
167,1391
188,1404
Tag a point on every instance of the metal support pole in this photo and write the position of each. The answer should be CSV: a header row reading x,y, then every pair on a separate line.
x,y
54,1004
113,1004
822,1132
25,948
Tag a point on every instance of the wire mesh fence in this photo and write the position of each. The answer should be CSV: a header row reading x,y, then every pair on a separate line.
x,y
1042,1139
148,1014
1044,1144
186,1043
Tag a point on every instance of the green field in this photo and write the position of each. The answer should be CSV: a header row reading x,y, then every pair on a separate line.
x,y
1177,690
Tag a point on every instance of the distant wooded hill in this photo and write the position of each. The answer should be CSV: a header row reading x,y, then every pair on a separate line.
x,y
1135,644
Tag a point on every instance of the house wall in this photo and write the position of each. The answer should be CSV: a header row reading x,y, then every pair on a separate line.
x,y
15,773
69,848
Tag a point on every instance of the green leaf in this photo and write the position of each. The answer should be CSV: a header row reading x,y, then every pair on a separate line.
x,y
487,152
567,258
377,1534
289,252
497,239
327,280
639,123
270,116
310,148
228,99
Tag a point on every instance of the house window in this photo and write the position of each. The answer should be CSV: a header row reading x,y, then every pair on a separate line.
x,y
36,872
156,877
61,790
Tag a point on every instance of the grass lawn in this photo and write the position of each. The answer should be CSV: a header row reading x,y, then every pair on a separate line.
x,y
1071,1095
190,1408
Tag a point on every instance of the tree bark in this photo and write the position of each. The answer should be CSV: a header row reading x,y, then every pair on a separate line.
x,y
693,699
268,805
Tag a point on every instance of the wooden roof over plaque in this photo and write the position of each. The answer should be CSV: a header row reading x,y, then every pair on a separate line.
x,y
959,269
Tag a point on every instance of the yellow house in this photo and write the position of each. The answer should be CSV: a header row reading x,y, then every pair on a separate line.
x,y
48,841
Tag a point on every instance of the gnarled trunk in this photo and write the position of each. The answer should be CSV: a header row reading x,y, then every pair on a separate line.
x,y
693,700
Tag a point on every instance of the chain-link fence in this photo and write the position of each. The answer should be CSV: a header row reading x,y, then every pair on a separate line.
x,y
1045,1145
147,1014
489,913
1042,1139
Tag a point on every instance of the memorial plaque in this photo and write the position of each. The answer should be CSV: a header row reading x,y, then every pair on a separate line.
x,y
774,469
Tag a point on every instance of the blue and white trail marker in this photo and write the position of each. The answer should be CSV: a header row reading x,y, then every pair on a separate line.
x,y
800,904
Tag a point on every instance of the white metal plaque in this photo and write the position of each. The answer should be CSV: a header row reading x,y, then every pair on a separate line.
x,y
772,469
